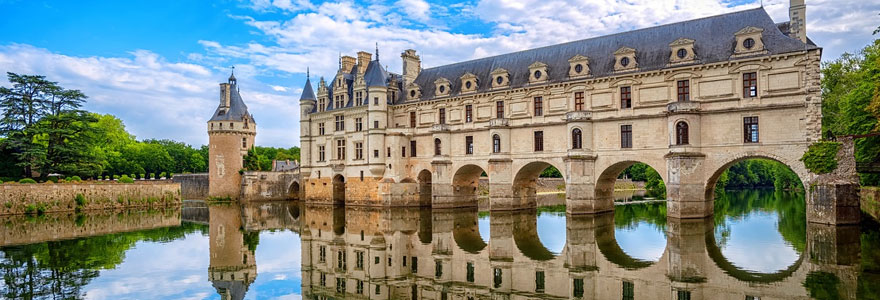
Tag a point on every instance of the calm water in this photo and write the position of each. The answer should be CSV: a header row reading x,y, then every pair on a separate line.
x,y
756,245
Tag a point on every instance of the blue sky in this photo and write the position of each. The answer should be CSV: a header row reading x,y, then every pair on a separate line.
x,y
156,64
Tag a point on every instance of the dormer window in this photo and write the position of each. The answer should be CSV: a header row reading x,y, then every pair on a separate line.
x,y
442,87
501,78
414,91
682,51
467,85
538,72
579,66
468,82
625,60
412,94
748,41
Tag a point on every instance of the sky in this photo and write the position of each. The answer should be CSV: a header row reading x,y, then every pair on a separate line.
x,y
157,64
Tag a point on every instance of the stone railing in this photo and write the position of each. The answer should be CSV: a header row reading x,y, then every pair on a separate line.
x,y
439,128
502,122
683,107
574,116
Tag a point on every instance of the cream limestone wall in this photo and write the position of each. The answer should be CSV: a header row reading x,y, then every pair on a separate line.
x,y
225,155
61,197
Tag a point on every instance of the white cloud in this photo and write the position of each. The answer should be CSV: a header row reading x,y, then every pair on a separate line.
x,y
416,9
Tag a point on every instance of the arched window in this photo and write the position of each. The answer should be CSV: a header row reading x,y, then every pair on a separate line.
x,y
681,133
436,146
576,138
496,144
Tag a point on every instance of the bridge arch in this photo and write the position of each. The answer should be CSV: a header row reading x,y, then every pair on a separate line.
x,y
466,232
338,189
608,244
294,190
729,268
525,181
605,181
465,184
424,178
527,238
724,164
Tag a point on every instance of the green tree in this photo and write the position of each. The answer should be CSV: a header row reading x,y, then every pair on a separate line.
x,y
67,133
23,106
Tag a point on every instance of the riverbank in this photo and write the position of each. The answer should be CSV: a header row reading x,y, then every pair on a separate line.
x,y
870,201
16,199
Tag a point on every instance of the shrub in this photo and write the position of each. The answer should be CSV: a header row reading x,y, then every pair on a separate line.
x,y
8,204
30,209
126,179
170,175
821,157
74,179
153,176
142,176
80,200
115,177
161,175
27,180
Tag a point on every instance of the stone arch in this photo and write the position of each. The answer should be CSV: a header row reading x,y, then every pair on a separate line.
x,y
424,177
525,236
729,268
682,133
605,181
294,190
466,232
716,171
525,182
465,184
338,189
607,243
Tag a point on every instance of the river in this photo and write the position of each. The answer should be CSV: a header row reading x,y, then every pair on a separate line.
x,y
758,245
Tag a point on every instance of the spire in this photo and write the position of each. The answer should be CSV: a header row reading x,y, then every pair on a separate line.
x,y
232,76
377,51
308,93
307,74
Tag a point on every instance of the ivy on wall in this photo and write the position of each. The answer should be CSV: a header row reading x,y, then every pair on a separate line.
x,y
821,157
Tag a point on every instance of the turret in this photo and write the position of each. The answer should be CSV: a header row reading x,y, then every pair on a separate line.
x,y
231,132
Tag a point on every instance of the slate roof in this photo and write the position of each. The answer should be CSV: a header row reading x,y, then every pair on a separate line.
x,y
284,165
308,93
374,75
237,109
714,42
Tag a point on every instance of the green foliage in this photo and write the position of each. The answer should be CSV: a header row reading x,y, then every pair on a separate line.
x,y
636,172
252,160
252,239
822,285
74,178
80,200
654,186
551,172
161,174
153,176
125,179
790,206
821,157
27,181
851,102
758,173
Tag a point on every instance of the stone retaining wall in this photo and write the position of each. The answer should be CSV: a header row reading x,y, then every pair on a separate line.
x,y
21,230
261,186
60,197
192,186
870,202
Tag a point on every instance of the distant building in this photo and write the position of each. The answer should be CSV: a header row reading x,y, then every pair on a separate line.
x,y
231,132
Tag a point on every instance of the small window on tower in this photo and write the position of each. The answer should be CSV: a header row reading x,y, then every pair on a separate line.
x,y
244,142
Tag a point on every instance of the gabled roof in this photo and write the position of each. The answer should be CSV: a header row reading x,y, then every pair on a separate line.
x,y
714,41
237,109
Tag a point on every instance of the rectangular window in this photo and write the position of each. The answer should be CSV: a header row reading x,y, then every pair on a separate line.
x,y
442,116
499,109
468,113
684,90
360,287
438,268
376,124
412,148
376,260
750,85
539,106
375,100
320,128
358,124
415,264
376,153
578,101
403,151
378,289
340,285
628,290
359,97
469,145
358,150
750,129
683,295
322,253
470,272
244,143
625,97
578,288
342,259
340,123
340,149
322,104
388,151
412,119
539,141
323,279
539,281
497,278
359,262
626,138
321,156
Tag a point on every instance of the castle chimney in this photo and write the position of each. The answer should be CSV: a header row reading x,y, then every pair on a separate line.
x,y
348,63
412,65
363,60
797,14
225,89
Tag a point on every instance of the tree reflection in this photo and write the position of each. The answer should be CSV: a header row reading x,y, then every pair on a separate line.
x,y
789,206
60,269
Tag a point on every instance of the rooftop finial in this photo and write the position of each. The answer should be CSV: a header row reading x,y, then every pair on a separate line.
x,y
232,75
307,73
377,51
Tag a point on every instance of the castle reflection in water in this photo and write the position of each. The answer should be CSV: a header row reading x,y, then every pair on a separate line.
x,y
357,252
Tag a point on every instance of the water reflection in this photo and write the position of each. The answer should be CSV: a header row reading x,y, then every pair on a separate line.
x,y
756,245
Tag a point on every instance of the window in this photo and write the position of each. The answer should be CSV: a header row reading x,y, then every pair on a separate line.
x,y
437,146
499,79
683,295
578,288
470,272
376,260
750,129
469,145
496,144
376,153
375,100
626,97
539,141
749,43
323,279
376,124
624,61
320,128
244,142
626,136
378,289
412,148
438,268
322,253
538,74
442,89
681,133
578,68
388,151
684,90
468,113
321,153
467,85
358,124
339,101
340,285
340,149
402,151
360,287
358,150
414,264
681,53
750,85
578,101
576,138
412,119
322,104
499,109
539,281
359,98
539,106
359,260
496,277
628,290
341,259
340,123
442,116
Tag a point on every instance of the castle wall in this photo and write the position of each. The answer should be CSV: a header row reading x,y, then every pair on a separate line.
x,y
257,186
192,186
225,161
61,197
61,226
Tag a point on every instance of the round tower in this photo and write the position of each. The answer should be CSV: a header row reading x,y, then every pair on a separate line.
x,y
307,104
231,133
